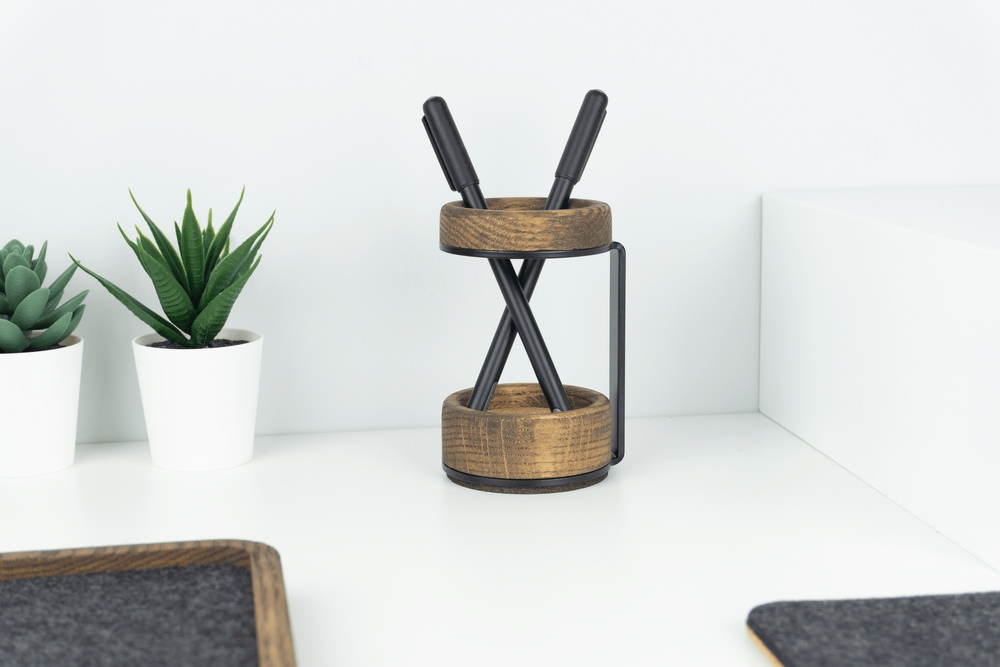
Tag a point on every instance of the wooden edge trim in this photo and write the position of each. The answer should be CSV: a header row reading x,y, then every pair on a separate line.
x,y
125,558
274,636
760,644
271,621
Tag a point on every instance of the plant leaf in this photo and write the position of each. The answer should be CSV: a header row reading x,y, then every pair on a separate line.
x,y
143,241
177,235
59,284
220,245
39,266
193,251
11,337
163,243
150,317
67,307
173,298
207,237
3,304
52,335
229,268
31,309
132,244
21,281
58,332
14,259
77,317
212,318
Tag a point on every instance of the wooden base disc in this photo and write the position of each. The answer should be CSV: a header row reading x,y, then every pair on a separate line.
x,y
518,438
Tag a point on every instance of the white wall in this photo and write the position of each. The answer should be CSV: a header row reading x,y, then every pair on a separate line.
x,y
315,107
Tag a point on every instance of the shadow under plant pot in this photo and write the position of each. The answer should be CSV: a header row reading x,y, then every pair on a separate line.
x,y
39,405
200,404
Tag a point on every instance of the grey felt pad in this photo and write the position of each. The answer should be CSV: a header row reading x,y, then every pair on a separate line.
x,y
191,616
940,631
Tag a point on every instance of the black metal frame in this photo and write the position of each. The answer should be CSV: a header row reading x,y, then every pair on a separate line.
x,y
616,365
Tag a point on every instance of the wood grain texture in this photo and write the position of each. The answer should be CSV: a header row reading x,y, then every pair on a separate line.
x,y
274,639
519,224
763,647
519,438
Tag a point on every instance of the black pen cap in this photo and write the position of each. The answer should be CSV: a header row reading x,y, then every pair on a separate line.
x,y
584,136
448,144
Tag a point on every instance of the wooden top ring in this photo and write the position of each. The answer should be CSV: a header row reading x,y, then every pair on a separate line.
x,y
520,224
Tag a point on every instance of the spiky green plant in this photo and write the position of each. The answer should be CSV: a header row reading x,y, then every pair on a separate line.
x,y
197,282
27,307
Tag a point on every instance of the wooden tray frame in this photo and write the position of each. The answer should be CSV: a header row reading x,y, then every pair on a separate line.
x,y
274,637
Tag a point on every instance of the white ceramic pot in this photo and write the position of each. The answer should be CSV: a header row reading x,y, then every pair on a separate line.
x,y
39,404
200,404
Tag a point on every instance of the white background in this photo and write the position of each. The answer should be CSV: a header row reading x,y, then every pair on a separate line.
x,y
315,108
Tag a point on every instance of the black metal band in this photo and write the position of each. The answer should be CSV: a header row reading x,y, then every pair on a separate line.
x,y
525,483
524,254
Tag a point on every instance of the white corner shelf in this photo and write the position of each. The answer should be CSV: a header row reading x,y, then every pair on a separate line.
x,y
880,343
386,562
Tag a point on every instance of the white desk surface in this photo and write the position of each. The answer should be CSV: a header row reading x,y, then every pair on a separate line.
x,y
386,562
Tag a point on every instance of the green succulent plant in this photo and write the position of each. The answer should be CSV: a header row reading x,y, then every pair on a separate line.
x,y
30,315
198,282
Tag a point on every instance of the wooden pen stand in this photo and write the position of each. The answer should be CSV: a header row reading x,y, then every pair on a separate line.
x,y
518,445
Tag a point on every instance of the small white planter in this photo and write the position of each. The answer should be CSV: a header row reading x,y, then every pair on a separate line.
x,y
201,404
39,405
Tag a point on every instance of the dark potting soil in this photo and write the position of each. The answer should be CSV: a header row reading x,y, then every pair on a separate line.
x,y
218,342
192,615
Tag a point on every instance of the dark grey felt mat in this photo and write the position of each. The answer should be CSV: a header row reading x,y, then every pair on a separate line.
x,y
940,631
191,616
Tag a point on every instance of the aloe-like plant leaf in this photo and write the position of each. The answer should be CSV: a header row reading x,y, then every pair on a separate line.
x,y
21,281
67,307
31,309
229,268
192,251
12,260
11,337
173,298
220,244
143,241
177,235
4,309
207,237
162,277
163,243
38,265
54,334
212,318
150,317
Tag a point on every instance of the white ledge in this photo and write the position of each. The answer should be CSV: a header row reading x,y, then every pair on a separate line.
x,y
386,562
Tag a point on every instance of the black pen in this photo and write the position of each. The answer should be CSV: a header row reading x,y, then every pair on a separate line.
x,y
574,158
461,176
